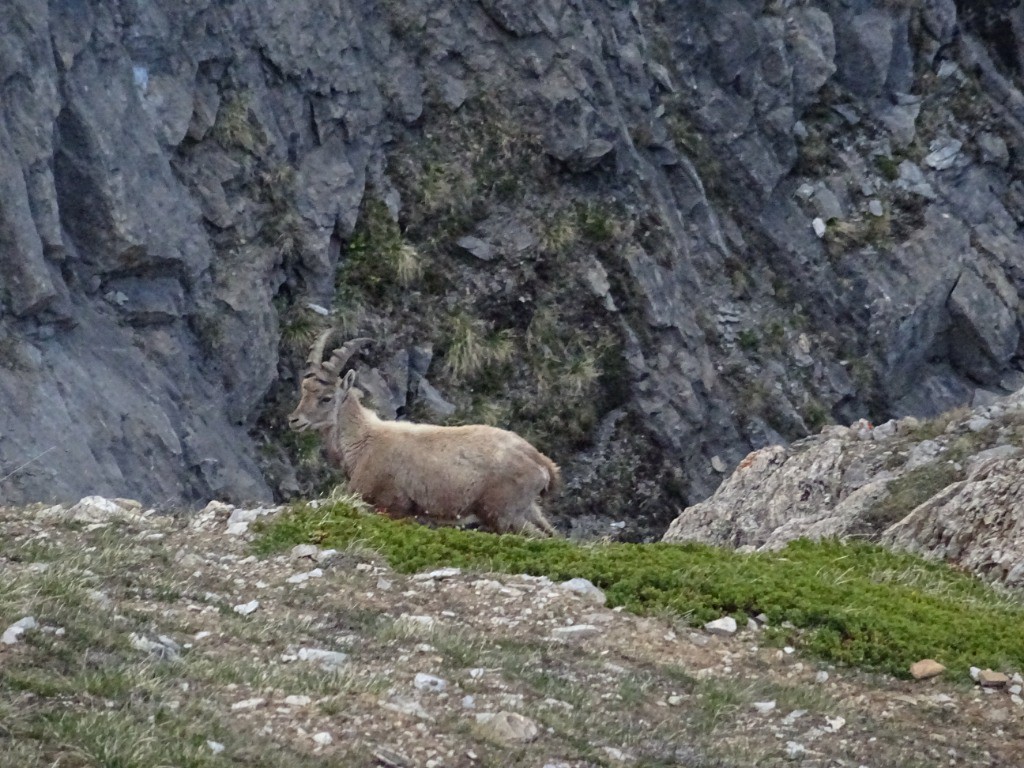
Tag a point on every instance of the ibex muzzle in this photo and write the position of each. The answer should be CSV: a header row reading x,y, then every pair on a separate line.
x,y
322,389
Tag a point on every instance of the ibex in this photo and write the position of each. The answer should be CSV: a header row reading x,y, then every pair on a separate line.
x,y
422,470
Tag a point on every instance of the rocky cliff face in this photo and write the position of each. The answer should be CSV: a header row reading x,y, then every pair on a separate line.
x,y
650,236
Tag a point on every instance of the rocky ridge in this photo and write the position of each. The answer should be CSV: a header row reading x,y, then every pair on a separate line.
x,y
950,489
316,656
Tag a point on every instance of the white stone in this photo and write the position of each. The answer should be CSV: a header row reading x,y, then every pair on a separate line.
x,y
246,704
763,707
238,522
585,589
875,208
304,550
819,226
616,755
328,660
438,575
944,153
430,683
243,515
575,630
835,723
323,738
723,626
215,746
793,716
407,707
978,423
14,632
297,701
246,608
96,509
821,677
508,727
217,508
163,647
795,749
300,578
885,431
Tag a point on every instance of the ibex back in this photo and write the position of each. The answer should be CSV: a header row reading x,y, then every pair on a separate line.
x,y
422,470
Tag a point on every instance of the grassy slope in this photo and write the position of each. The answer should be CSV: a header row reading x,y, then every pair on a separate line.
x,y
850,603
86,695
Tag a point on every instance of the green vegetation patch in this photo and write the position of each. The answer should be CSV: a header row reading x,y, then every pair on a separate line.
x,y
235,126
378,259
850,603
909,491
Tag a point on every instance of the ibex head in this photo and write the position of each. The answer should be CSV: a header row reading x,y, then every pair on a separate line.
x,y
323,389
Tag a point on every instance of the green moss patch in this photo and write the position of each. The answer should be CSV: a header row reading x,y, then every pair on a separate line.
x,y
849,603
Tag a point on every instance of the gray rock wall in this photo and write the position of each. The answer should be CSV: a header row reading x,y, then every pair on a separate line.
x,y
177,181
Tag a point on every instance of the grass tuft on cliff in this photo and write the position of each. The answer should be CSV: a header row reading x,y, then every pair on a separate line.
x,y
850,603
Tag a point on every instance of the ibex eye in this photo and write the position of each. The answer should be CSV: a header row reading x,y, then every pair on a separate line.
x,y
326,399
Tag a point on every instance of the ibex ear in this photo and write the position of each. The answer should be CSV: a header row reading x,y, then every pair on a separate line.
x,y
349,380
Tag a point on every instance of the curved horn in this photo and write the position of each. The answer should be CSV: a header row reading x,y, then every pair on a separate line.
x,y
341,355
316,352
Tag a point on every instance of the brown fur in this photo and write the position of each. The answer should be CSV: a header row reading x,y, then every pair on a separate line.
x,y
442,473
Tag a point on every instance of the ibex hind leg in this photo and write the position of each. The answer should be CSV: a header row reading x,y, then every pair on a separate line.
x,y
521,523
531,522
537,518
531,530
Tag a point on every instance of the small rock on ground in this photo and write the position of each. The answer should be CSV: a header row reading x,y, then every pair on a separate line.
x,y
507,727
723,626
990,679
926,668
